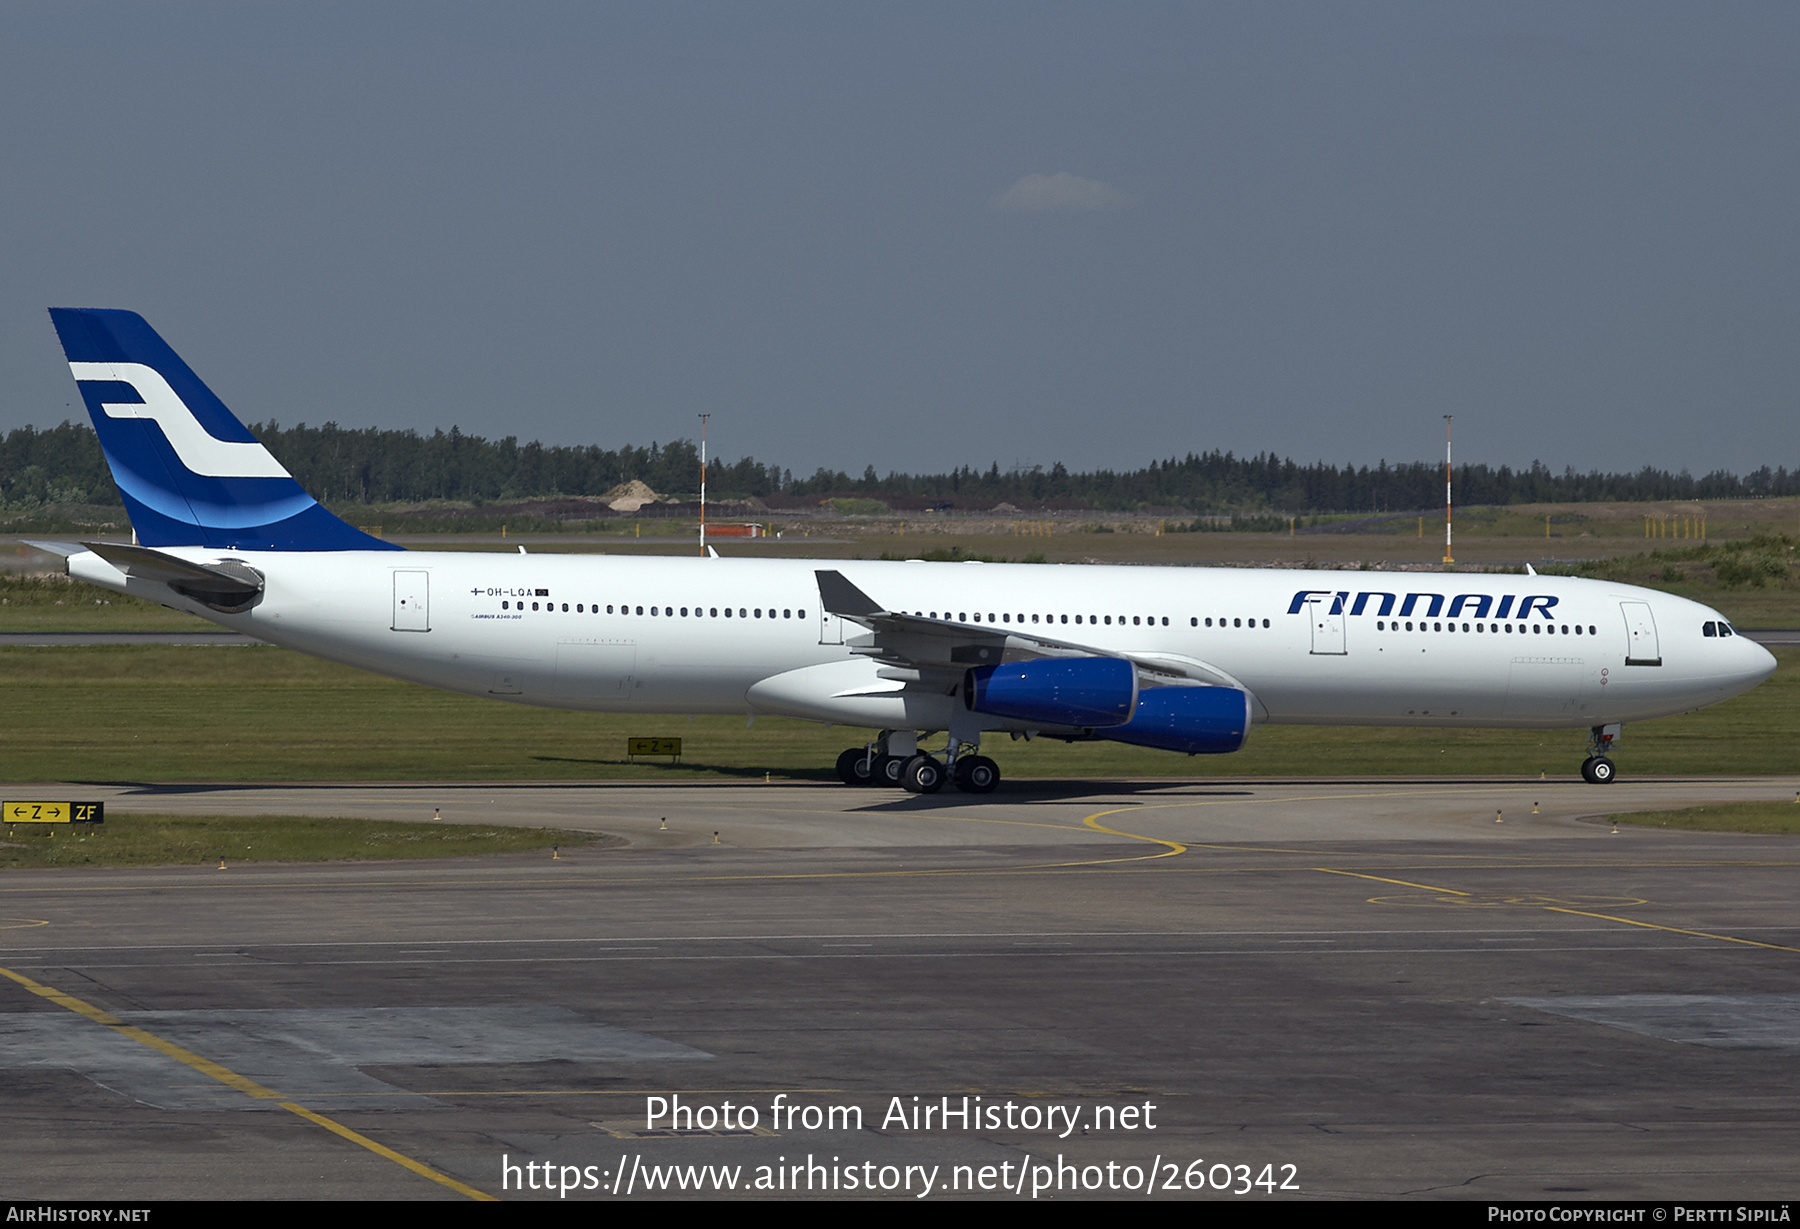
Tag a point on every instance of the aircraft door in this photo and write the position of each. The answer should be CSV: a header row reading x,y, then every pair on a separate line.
x,y
1327,626
831,628
1642,646
412,601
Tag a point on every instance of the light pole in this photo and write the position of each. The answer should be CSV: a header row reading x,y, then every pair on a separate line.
x,y
1447,558
703,419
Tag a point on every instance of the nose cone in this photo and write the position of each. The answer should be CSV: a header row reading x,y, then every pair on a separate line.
x,y
1758,663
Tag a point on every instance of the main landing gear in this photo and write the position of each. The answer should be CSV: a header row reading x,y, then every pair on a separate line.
x,y
1597,769
882,764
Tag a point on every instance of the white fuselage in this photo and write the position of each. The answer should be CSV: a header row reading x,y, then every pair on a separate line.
x,y
710,635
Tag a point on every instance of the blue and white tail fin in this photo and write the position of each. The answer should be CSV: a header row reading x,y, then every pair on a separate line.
x,y
191,474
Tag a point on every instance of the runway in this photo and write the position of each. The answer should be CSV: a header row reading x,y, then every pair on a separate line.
x,y
1347,988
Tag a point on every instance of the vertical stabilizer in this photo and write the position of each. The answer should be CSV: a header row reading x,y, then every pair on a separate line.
x,y
190,473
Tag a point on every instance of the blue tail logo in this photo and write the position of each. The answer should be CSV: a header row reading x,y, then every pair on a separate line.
x,y
191,474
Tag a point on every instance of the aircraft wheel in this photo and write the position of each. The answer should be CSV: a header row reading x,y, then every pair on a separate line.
x,y
922,775
886,771
1600,770
977,775
853,766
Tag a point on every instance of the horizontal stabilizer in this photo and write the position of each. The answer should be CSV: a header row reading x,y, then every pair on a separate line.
x,y
65,549
226,585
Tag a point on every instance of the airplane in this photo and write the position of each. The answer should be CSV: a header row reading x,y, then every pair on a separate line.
x,y
1183,659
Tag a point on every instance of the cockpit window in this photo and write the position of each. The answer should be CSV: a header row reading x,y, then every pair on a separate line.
x,y
1709,629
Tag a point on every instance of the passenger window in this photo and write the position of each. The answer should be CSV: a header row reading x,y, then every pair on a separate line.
x,y
1265,622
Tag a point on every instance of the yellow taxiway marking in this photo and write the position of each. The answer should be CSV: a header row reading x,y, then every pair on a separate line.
x,y
1673,929
224,1075
1174,847
1605,917
1380,879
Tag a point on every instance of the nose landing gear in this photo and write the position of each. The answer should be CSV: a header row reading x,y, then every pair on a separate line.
x,y
1597,769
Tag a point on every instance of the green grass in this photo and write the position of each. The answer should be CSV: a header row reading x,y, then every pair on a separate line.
x,y
1752,581
1781,818
168,713
54,603
174,840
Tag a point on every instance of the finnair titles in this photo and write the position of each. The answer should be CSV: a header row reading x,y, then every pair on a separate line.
x,y
1183,659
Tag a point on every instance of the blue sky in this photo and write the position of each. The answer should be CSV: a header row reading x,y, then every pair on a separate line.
x,y
921,235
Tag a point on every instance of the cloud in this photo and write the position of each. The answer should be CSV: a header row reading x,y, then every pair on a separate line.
x,y
1060,193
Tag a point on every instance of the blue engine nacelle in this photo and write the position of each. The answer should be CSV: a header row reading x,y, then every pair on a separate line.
x,y
1088,692
1196,720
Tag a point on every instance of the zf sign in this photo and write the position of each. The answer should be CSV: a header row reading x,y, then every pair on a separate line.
x,y
53,812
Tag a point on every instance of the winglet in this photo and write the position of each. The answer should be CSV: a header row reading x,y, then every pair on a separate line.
x,y
840,597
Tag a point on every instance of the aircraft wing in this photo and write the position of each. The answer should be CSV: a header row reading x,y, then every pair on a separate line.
x,y
934,653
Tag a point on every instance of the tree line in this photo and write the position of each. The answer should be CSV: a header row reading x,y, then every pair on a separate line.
x,y
342,465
